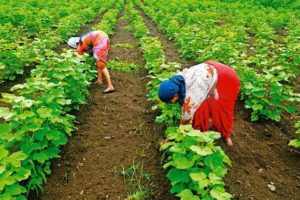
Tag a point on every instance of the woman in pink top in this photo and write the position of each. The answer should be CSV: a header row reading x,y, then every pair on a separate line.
x,y
95,43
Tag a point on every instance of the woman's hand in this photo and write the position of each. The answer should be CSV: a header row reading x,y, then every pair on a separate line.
x,y
164,141
186,121
229,141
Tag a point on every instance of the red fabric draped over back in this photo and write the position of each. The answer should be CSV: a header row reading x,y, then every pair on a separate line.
x,y
219,113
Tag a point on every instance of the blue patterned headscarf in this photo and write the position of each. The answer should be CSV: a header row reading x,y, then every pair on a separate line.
x,y
169,88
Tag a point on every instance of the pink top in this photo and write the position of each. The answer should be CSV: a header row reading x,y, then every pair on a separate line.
x,y
95,40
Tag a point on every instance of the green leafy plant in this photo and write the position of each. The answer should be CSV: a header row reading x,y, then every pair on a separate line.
x,y
122,66
296,142
195,163
139,182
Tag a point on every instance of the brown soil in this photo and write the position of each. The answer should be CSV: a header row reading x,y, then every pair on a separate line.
x,y
114,131
260,155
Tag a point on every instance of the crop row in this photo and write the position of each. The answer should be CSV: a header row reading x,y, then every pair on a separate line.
x,y
195,165
36,121
261,45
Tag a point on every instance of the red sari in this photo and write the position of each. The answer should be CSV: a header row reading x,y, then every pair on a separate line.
x,y
219,113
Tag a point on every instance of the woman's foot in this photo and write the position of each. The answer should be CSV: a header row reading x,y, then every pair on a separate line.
x,y
109,90
229,141
99,82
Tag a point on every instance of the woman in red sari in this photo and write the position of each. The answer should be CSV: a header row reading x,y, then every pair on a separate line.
x,y
207,93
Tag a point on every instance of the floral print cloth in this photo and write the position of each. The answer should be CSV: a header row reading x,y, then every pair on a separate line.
x,y
200,81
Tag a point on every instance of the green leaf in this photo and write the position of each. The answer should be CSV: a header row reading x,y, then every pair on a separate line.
x,y
18,87
56,137
168,164
5,113
6,179
15,189
181,162
214,179
23,173
254,117
185,128
215,162
40,157
52,151
178,148
201,150
220,170
40,134
26,114
201,178
44,112
166,145
172,133
2,169
212,134
257,107
198,176
4,129
291,109
187,195
295,143
220,194
297,124
260,93
178,176
21,197
177,188
3,153
16,158
225,157
194,133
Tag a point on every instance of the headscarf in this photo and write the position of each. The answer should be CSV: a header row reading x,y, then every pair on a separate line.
x,y
169,88
73,41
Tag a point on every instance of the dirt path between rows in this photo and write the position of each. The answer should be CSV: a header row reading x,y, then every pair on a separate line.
x,y
260,155
115,132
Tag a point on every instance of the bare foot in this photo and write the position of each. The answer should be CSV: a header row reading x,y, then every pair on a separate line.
x,y
109,90
99,82
229,142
